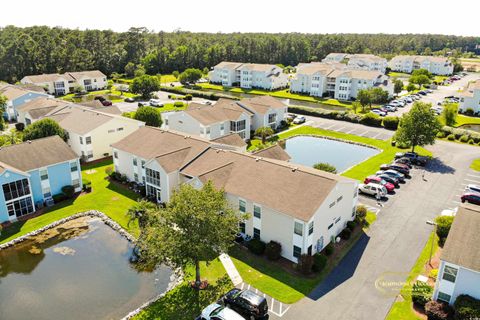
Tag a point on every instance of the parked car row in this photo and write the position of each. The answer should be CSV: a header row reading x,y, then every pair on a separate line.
x,y
471,194
237,305
390,176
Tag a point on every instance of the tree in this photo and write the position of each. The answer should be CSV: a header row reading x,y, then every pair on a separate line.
x,y
378,95
140,71
449,114
145,85
175,74
264,133
411,87
140,212
397,86
205,71
3,103
355,106
422,72
196,225
130,69
419,79
43,128
190,75
419,126
325,167
149,115
365,98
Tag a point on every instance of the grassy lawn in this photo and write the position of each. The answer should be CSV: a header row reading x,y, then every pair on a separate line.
x,y
367,167
115,95
475,165
371,217
278,94
393,74
185,303
106,197
403,310
461,120
163,79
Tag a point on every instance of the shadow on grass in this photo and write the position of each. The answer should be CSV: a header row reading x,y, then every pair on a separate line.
x,y
97,164
11,230
184,302
123,190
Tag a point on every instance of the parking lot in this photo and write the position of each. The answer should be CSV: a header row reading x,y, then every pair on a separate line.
x,y
275,308
355,129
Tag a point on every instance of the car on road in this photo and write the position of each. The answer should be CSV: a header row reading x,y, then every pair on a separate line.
x,y
409,99
155,103
379,112
392,173
247,303
129,100
106,103
218,312
471,197
472,188
299,119
372,189
390,179
413,156
377,180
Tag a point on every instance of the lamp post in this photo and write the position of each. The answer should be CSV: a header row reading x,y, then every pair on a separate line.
x,y
429,222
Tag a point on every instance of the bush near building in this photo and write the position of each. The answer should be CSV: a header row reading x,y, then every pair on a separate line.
x,y
256,246
437,310
273,250
444,223
466,307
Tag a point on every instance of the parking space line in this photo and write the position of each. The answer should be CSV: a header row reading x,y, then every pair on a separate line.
x,y
456,201
376,135
473,175
243,284
472,180
340,129
330,126
271,306
362,134
348,132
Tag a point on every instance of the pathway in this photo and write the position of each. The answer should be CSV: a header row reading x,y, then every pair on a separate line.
x,y
231,270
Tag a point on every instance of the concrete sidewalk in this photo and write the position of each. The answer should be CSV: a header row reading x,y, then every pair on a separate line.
x,y
230,268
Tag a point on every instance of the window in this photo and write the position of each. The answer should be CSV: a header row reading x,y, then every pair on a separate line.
x,y
135,161
115,154
73,166
153,176
111,131
330,226
208,130
88,140
222,126
119,129
443,297
297,251
272,118
256,233
449,274
331,204
89,154
298,228
338,220
76,183
242,206
81,140
339,199
135,177
242,227
310,228
43,174
46,192
20,207
143,164
257,211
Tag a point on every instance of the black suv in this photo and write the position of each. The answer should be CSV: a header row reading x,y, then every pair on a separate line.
x,y
247,303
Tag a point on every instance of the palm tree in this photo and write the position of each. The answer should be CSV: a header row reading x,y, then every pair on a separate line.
x,y
139,212
264,132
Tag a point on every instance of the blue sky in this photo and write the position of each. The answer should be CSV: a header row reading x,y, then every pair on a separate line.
x,y
314,16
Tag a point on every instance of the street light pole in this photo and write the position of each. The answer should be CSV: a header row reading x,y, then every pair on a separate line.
x,y
433,239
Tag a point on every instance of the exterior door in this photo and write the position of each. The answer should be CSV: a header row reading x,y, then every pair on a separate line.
x,y
320,244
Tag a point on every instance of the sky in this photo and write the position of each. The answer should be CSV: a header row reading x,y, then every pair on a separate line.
x,y
305,16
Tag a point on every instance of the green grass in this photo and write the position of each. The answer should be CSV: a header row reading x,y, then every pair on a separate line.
x,y
371,218
183,302
403,310
462,120
109,198
278,94
475,165
367,167
393,74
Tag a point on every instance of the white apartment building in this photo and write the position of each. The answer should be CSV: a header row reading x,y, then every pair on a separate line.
x,y
61,84
335,57
305,215
359,61
227,116
459,270
434,64
470,98
249,75
337,81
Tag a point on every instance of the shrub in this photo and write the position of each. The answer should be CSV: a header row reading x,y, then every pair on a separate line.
x,y
57,198
319,262
437,310
188,97
443,227
451,137
466,307
345,234
273,250
325,167
371,119
361,213
256,246
433,274
109,171
19,126
178,104
329,249
440,134
464,138
305,263
421,293
471,141
87,185
391,123
469,112
351,225
68,191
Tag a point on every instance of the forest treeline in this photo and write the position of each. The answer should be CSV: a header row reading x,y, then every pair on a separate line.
x,y
42,49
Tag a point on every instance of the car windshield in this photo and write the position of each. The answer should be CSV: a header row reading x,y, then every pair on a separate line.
x,y
383,182
216,311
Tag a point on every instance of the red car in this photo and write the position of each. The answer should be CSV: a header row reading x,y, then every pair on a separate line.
x,y
377,180
471,197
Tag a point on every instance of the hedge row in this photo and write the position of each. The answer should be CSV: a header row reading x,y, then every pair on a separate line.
x,y
369,119
461,135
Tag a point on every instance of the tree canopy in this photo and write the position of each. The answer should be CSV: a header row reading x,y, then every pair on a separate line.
x,y
449,114
43,128
196,225
150,115
397,86
190,75
145,85
419,126
264,133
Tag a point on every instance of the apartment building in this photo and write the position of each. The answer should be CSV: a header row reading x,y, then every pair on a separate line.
x,y
336,80
227,116
459,270
16,97
434,64
61,84
359,61
470,98
301,221
249,75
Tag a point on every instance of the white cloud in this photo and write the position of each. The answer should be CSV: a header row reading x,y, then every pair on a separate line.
x,y
307,16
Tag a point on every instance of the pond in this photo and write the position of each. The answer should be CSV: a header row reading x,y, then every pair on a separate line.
x,y
78,270
310,150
